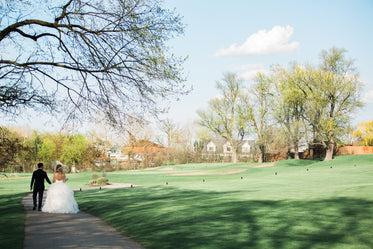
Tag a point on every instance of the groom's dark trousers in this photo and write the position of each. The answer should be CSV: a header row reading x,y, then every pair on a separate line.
x,y
38,180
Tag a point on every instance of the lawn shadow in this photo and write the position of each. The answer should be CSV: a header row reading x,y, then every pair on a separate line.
x,y
12,217
166,217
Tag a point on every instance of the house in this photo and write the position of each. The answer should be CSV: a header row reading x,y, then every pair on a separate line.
x,y
139,152
143,147
247,146
219,149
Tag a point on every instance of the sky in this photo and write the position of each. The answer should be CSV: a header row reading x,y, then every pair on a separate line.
x,y
246,37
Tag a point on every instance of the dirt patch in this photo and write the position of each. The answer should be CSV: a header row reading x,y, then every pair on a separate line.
x,y
109,185
209,173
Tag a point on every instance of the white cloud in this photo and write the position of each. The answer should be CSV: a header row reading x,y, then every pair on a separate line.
x,y
263,43
368,97
249,71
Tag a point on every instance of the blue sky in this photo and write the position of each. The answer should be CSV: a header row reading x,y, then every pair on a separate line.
x,y
229,36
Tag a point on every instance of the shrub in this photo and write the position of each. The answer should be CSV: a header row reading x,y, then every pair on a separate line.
x,y
94,176
101,181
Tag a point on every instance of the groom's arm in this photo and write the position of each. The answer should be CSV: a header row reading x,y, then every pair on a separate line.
x,y
46,177
32,180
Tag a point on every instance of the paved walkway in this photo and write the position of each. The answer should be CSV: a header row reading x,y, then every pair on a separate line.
x,y
82,230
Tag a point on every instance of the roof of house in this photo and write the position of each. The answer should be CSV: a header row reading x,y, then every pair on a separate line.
x,y
143,146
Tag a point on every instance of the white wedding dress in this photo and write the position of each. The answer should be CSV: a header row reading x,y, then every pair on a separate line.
x,y
60,199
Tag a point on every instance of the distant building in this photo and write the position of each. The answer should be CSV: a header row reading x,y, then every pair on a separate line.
x,y
219,150
141,152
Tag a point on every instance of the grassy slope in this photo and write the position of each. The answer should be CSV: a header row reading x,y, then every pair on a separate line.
x,y
330,205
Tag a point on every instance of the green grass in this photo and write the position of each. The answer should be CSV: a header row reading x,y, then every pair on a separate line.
x,y
293,204
12,216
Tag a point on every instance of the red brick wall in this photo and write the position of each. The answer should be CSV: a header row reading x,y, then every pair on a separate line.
x,y
354,150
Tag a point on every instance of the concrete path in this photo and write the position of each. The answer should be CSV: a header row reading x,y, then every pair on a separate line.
x,y
82,230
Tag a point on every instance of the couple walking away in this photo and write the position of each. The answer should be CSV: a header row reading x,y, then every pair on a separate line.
x,y
60,198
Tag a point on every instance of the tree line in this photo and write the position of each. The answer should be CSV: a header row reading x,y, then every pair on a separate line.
x,y
302,103
21,149
21,152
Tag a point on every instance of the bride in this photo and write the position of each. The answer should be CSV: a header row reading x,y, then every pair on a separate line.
x,y
60,198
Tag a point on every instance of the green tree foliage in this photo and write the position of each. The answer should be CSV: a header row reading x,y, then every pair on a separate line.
x,y
332,94
289,105
74,148
22,153
312,104
10,149
88,56
48,151
364,133
33,143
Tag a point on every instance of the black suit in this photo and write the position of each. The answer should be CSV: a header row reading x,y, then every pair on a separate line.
x,y
38,177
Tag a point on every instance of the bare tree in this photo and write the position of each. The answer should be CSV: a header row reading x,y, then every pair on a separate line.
x,y
172,132
257,108
88,56
225,116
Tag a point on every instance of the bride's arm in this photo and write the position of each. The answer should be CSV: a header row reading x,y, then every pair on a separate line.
x,y
64,177
54,178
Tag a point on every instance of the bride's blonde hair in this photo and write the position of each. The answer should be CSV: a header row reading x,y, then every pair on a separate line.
x,y
59,168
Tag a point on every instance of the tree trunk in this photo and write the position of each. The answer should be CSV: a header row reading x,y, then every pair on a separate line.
x,y
261,158
234,155
311,153
329,151
296,150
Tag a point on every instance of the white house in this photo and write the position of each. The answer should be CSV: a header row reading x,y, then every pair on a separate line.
x,y
245,148
224,148
227,148
211,147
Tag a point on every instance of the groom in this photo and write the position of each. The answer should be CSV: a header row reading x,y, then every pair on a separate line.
x,y
38,177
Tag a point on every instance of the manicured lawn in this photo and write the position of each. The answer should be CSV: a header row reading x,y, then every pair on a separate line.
x,y
330,205
293,204
12,215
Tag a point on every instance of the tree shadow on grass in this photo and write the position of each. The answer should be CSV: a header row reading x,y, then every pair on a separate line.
x,y
12,218
165,217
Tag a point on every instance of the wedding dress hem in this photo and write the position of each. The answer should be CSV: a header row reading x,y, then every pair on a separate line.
x,y
60,199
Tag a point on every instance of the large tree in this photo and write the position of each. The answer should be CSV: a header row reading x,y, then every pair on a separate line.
x,y
332,94
88,56
224,115
257,110
289,106
74,149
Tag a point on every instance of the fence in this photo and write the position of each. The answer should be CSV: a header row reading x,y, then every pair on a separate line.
x,y
354,150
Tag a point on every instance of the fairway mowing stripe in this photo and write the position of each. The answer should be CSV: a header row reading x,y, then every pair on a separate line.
x,y
208,173
263,165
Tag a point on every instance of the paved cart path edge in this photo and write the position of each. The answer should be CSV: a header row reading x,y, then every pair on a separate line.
x,y
81,230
